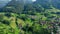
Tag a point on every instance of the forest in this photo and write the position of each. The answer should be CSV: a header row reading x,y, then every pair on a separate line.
x,y
39,17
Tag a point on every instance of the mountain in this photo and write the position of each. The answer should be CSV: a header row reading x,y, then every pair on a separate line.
x,y
27,17
44,3
56,3
3,3
48,3
21,5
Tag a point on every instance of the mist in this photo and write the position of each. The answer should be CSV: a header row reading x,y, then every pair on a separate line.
x,y
5,2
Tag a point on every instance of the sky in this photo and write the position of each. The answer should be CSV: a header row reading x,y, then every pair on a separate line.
x,y
33,0
10,0
5,0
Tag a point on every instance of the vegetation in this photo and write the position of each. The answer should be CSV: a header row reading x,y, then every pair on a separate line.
x,y
29,19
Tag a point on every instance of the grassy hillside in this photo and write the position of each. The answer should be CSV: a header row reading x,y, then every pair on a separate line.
x,y
14,24
40,17
40,23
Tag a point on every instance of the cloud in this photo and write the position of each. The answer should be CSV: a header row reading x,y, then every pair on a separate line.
x,y
5,0
33,0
